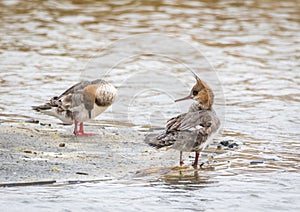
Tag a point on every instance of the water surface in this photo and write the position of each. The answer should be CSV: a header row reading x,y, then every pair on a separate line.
x,y
254,48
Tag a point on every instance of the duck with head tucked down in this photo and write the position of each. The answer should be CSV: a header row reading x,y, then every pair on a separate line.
x,y
81,102
191,131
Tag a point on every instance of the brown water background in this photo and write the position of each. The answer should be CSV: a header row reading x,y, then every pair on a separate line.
x,y
253,46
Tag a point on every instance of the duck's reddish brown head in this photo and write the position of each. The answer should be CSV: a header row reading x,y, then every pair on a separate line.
x,y
201,93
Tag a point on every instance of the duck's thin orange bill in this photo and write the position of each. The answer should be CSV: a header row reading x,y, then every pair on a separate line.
x,y
185,98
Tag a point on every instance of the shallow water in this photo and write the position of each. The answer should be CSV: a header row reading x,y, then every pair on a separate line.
x,y
253,47
222,195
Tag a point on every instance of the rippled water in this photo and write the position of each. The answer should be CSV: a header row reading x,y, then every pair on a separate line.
x,y
254,47
222,195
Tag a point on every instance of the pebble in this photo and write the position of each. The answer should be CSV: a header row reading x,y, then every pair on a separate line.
x,y
256,162
43,124
62,145
55,169
224,143
82,173
232,145
33,121
229,144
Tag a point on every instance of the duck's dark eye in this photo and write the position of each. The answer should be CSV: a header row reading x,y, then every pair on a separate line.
x,y
195,93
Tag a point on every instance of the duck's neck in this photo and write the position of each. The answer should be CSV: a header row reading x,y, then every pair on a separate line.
x,y
196,106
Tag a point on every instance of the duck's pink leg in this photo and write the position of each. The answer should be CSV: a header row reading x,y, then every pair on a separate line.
x,y
81,130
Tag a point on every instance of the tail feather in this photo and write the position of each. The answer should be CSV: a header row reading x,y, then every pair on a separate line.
x,y
49,110
157,140
42,107
53,102
151,139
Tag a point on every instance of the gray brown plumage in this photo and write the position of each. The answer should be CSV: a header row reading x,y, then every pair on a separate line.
x,y
191,131
81,102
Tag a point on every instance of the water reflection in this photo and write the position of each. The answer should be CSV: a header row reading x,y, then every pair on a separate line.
x,y
178,175
187,177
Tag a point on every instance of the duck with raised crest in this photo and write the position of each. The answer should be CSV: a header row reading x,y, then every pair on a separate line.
x,y
81,102
191,131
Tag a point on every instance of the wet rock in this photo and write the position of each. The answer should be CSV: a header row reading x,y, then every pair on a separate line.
x,y
224,143
256,162
45,182
233,145
44,124
82,173
62,145
33,121
229,143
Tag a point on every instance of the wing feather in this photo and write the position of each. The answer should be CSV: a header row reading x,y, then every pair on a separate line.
x,y
190,120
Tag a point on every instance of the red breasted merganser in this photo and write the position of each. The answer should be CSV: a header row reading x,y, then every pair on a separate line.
x,y
81,102
191,131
